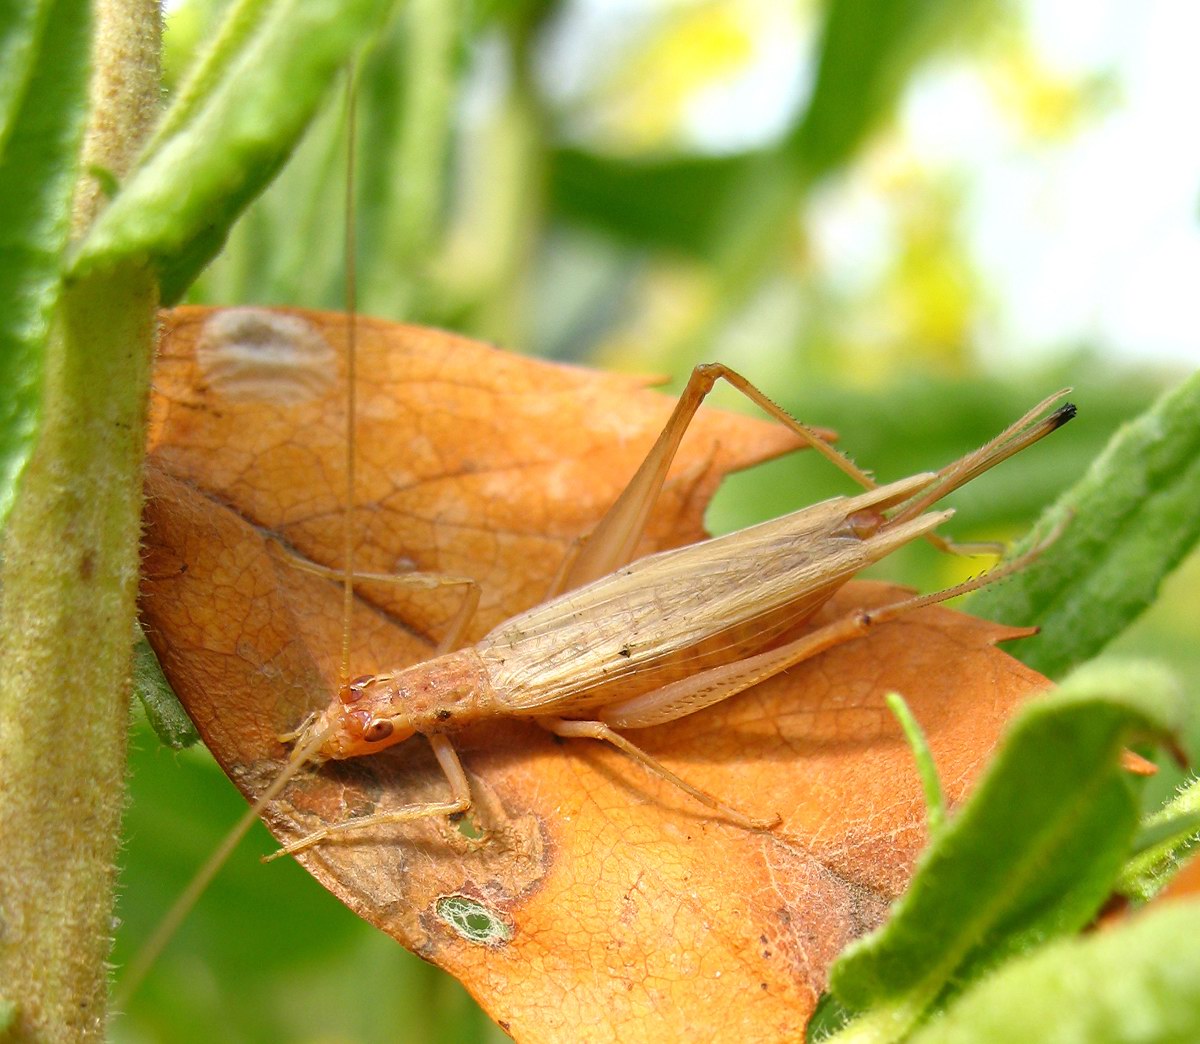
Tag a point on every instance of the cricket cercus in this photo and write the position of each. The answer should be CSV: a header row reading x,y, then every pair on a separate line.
x,y
630,644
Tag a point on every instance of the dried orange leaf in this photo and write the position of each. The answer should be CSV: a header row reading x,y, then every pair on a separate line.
x,y
601,902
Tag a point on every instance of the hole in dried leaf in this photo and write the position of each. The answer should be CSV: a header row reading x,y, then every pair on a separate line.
x,y
472,920
469,828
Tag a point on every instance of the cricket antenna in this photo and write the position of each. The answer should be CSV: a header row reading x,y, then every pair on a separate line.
x,y
351,304
135,972
144,960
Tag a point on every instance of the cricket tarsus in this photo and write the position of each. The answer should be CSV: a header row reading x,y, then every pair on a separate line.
x,y
460,801
695,628
599,731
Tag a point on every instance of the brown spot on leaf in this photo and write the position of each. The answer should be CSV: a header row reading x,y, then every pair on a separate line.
x,y
257,355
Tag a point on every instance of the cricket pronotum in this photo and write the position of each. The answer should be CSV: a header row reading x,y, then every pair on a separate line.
x,y
623,645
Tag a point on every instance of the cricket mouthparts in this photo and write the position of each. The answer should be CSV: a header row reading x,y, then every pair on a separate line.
x,y
313,740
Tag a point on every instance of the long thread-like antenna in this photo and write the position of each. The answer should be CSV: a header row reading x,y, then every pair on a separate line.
x,y
137,969
351,303
144,960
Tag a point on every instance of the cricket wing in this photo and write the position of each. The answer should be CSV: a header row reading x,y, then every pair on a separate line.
x,y
671,614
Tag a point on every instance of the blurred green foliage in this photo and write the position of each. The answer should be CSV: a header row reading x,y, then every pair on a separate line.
x,y
1030,857
43,84
483,205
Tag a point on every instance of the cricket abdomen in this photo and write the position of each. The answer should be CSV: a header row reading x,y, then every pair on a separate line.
x,y
679,612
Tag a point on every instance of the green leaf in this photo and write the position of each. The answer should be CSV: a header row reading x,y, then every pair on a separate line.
x,y
1032,855
410,124
672,203
868,51
828,1018
289,246
935,803
1129,521
43,105
163,709
235,132
21,27
1136,983
1165,839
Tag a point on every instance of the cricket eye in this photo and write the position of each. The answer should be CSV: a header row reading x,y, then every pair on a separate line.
x,y
379,729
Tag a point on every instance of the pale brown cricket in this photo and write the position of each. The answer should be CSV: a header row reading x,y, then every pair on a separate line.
x,y
635,644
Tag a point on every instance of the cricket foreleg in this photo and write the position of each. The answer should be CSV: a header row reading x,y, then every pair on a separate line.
x,y
418,580
598,730
460,801
612,543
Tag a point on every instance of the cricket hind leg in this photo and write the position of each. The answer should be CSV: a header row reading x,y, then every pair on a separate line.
x,y
598,730
691,694
612,542
707,688
684,697
460,801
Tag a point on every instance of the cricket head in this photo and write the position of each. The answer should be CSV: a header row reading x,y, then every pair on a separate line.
x,y
367,715
376,711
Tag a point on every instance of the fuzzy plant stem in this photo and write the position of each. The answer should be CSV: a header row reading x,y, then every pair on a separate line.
x,y
70,558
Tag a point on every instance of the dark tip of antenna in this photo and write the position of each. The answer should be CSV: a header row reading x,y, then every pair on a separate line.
x,y
1060,416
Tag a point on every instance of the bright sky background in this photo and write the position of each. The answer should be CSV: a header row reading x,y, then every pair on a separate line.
x,y
1091,240
1097,239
